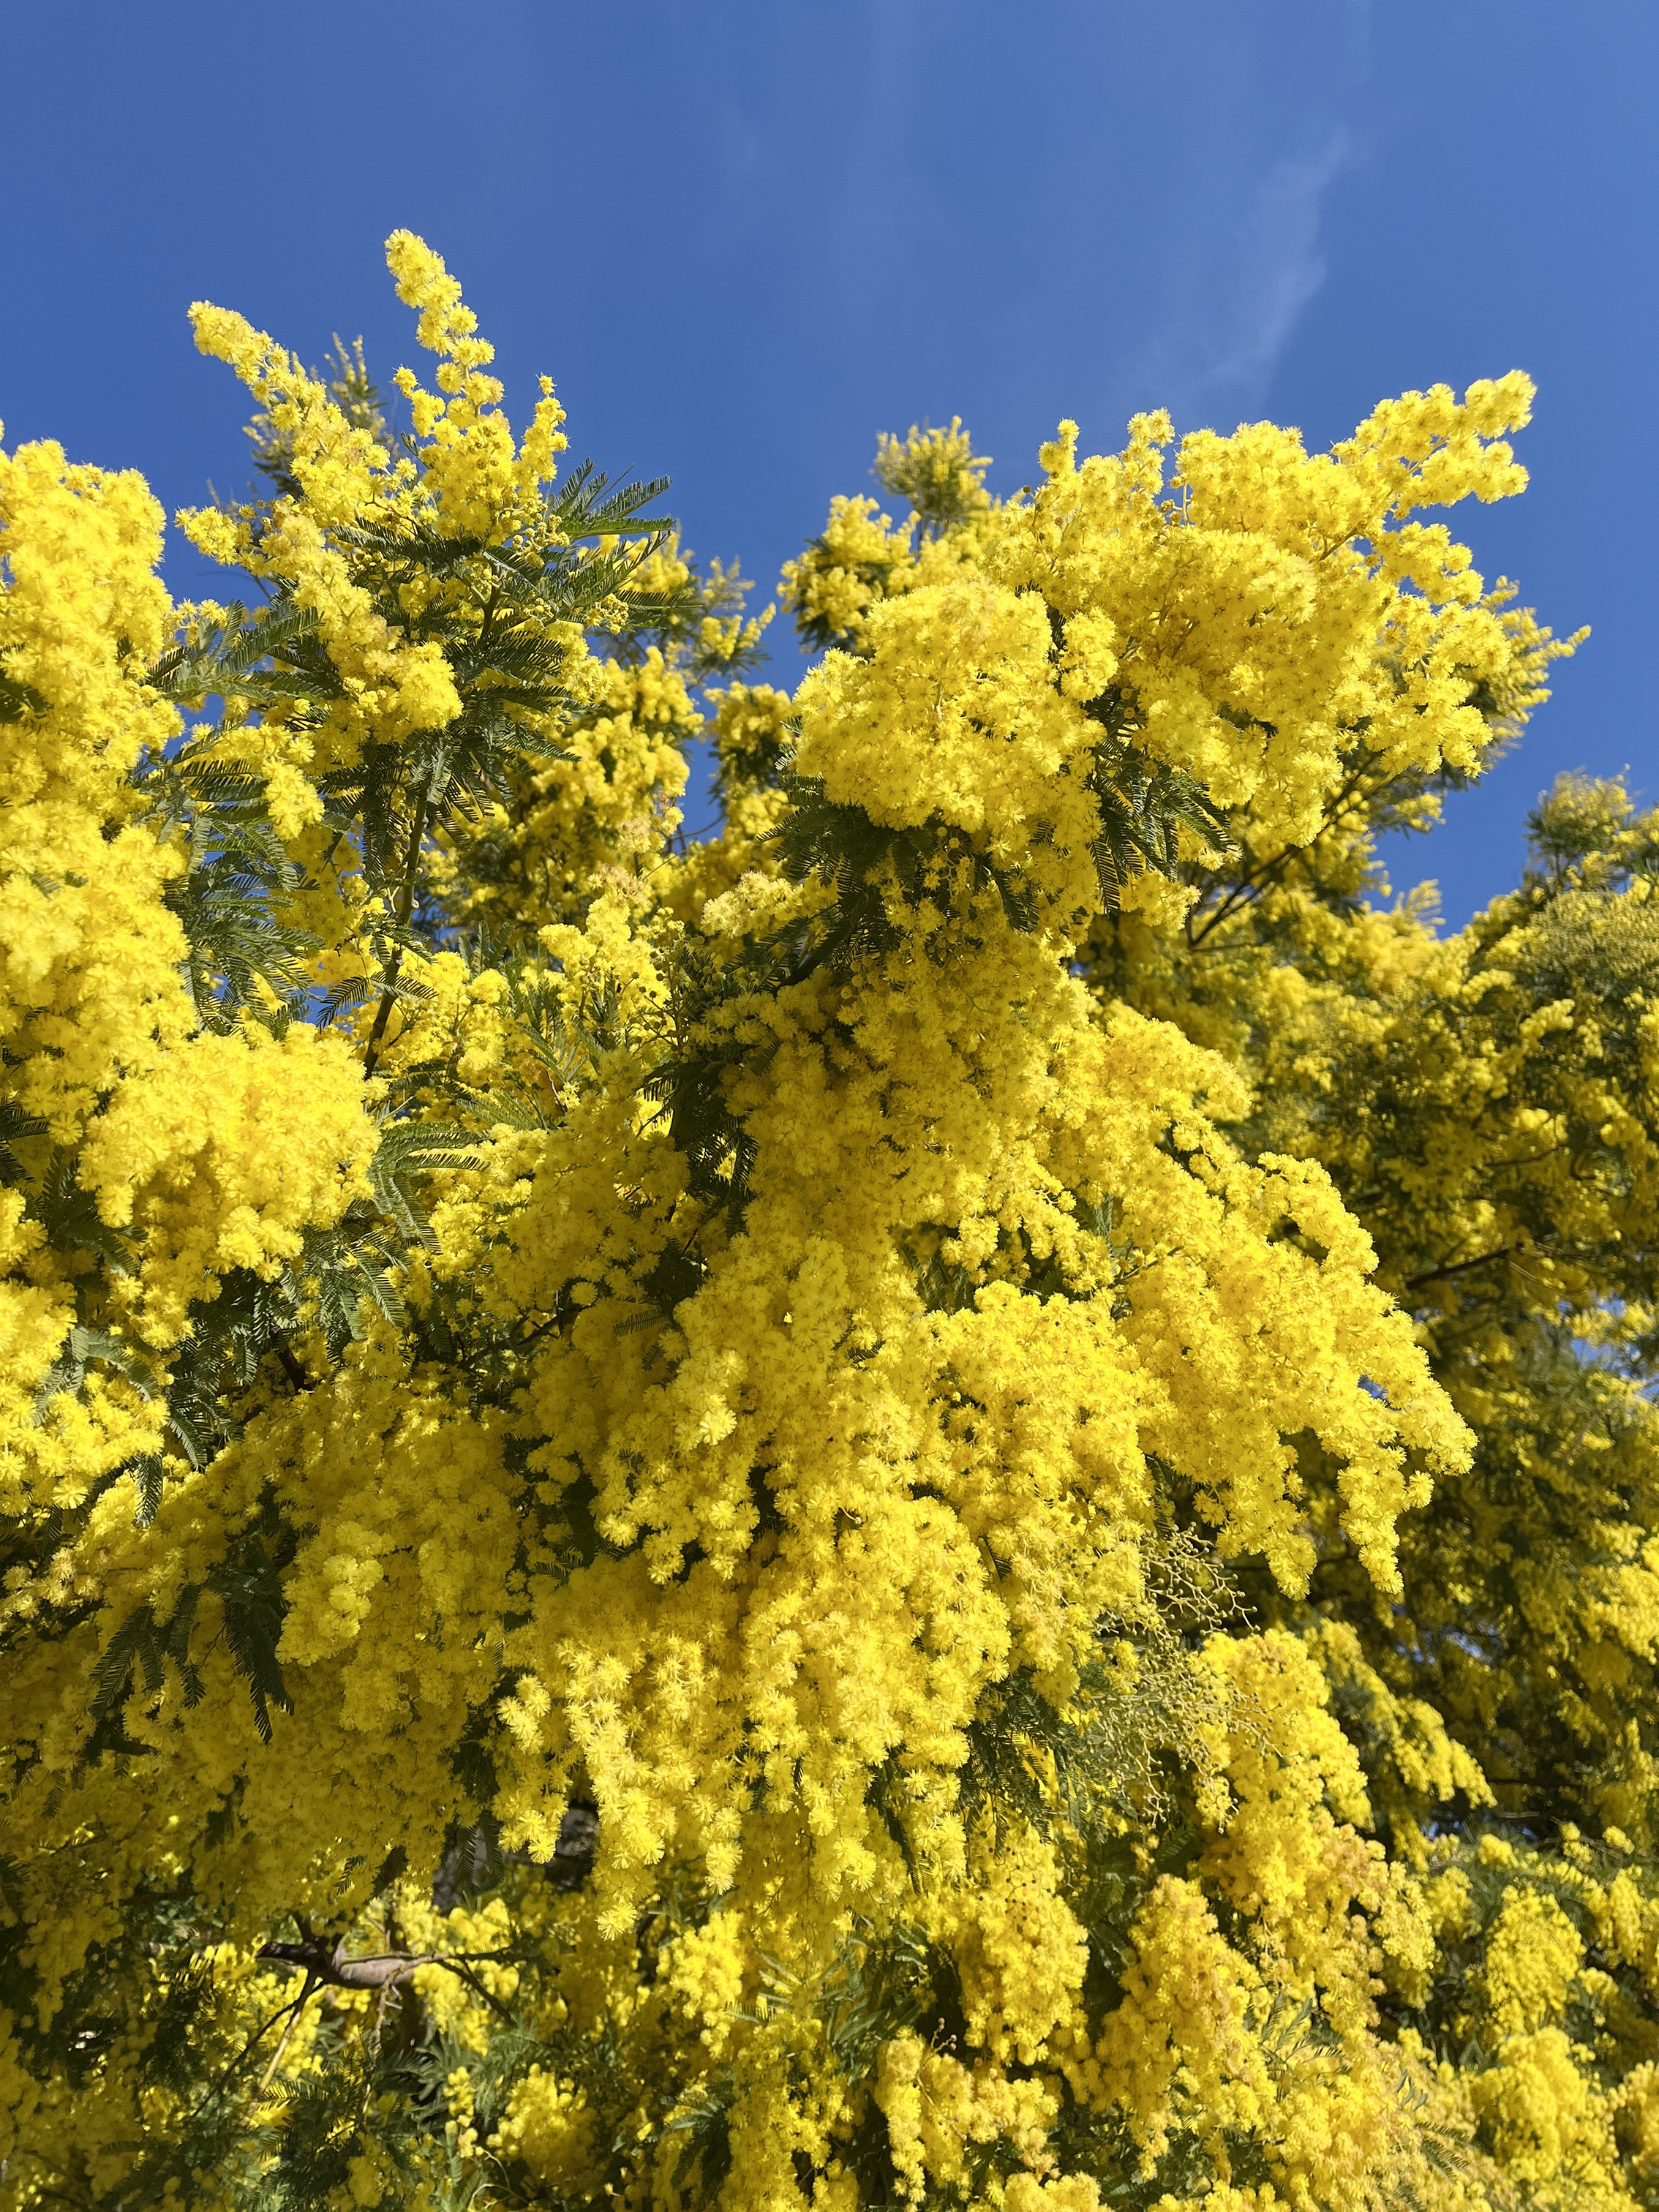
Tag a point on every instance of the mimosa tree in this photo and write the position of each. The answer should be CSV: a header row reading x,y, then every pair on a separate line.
x,y
945,1502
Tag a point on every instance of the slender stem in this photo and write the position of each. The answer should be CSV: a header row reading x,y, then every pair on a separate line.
x,y
467,1975
1266,871
293,2020
402,910
264,2029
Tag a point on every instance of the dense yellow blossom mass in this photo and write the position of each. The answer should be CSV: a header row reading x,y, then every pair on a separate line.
x,y
944,1502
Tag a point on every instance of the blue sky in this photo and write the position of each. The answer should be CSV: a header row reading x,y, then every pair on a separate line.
x,y
745,235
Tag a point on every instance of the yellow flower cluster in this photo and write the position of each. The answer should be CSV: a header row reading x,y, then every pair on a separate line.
x,y
186,1154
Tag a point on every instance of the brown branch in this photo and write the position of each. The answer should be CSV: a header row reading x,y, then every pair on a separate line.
x,y
328,1964
1461,1266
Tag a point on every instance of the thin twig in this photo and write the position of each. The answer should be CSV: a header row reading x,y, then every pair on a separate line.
x,y
403,908
1264,872
297,2006
258,2035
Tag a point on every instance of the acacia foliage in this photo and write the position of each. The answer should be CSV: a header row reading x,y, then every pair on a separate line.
x,y
947,1501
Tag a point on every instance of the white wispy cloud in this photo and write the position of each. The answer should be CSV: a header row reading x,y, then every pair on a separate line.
x,y
1246,281
1277,266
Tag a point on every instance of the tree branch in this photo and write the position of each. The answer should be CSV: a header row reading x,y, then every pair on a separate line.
x,y
328,1964
1257,877
1461,1266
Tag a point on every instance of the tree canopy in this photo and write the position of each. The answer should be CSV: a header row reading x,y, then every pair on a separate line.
x,y
950,1500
